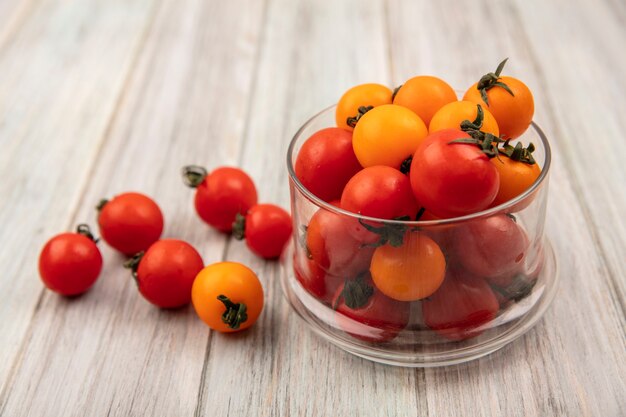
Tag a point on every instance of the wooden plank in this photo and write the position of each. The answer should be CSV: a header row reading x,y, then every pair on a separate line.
x,y
572,363
279,367
57,92
110,352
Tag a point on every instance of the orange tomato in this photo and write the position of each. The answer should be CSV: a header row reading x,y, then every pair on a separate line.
x,y
411,271
363,95
227,296
451,115
515,178
508,99
387,135
424,95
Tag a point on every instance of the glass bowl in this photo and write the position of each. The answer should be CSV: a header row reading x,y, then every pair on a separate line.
x,y
500,273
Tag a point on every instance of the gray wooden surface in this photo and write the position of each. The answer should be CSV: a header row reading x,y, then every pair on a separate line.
x,y
103,96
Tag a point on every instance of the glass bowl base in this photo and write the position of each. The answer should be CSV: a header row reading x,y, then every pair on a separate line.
x,y
424,349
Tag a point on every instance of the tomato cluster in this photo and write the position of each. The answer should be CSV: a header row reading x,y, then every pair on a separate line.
x,y
418,153
170,273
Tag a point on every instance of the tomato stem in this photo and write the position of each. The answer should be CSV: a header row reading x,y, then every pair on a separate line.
x,y
239,227
302,241
395,92
103,202
420,213
235,314
519,289
518,152
194,175
133,263
466,125
352,121
83,229
491,80
389,233
355,293
405,166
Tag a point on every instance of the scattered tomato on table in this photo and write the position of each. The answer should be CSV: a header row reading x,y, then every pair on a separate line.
x,y
266,228
220,195
70,263
227,296
130,222
166,271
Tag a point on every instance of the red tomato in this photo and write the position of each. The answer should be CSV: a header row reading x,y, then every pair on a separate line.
x,y
220,195
379,191
314,279
326,162
267,229
452,179
491,247
333,248
70,263
460,306
165,273
367,314
130,222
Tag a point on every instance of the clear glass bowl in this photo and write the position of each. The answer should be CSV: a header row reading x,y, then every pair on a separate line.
x,y
484,302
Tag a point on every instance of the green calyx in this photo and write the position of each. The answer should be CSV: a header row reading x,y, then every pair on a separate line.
x,y
194,175
103,202
302,241
487,142
83,229
392,234
353,120
133,263
355,293
519,152
235,314
405,166
239,227
490,80
395,92
519,288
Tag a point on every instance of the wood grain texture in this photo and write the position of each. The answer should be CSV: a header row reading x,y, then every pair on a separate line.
x,y
101,97
570,348
110,351
57,93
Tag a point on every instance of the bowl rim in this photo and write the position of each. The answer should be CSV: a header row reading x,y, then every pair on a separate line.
x,y
502,208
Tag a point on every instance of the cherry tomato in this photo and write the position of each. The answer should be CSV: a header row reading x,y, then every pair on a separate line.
x,y
333,248
364,95
411,271
507,98
515,178
227,296
367,314
491,247
165,273
452,179
451,115
424,95
326,162
130,222
379,191
314,279
387,135
267,229
70,263
460,306
220,195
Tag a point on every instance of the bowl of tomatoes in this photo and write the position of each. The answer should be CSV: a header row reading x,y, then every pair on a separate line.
x,y
418,223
